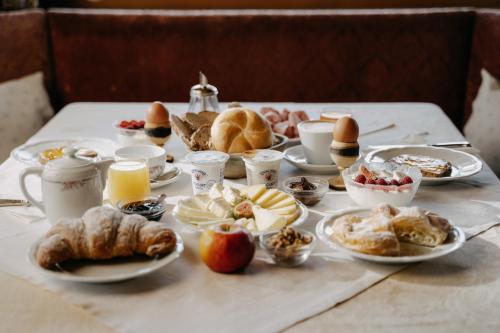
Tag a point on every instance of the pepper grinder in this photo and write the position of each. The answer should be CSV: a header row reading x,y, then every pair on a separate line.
x,y
344,149
203,96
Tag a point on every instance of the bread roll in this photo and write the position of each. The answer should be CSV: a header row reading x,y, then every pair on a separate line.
x,y
239,129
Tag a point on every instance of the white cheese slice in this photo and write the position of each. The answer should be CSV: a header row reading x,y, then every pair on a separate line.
x,y
220,208
194,219
215,191
285,210
232,196
280,196
253,192
267,220
266,197
283,203
185,210
201,200
211,222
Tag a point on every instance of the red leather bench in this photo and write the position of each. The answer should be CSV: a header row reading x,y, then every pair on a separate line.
x,y
421,55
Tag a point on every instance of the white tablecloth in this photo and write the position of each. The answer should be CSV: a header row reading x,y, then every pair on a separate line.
x,y
186,295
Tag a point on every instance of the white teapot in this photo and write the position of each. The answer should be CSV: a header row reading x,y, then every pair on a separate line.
x,y
70,185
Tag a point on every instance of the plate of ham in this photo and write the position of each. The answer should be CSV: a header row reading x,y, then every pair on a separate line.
x,y
284,122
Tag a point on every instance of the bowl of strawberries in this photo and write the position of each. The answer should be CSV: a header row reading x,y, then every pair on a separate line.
x,y
130,132
369,184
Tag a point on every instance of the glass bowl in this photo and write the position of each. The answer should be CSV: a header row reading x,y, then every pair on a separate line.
x,y
288,257
144,207
370,195
129,137
307,197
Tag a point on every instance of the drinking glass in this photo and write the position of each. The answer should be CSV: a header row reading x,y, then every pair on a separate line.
x,y
128,180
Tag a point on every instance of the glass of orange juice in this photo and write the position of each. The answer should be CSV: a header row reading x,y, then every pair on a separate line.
x,y
128,180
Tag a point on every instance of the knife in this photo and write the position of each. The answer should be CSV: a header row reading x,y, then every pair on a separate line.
x,y
459,145
13,202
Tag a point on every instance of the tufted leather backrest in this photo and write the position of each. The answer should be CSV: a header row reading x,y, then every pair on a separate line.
x,y
485,53
301,56
24,45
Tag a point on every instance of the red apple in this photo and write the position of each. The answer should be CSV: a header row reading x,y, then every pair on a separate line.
x,y
227,248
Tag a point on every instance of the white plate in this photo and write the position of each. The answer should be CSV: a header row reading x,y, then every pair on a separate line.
x,y
295,156
463,164
304,214
414,253
105,271
170,175
29,152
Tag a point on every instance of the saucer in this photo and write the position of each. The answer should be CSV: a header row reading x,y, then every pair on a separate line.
x,y
170,175
295,156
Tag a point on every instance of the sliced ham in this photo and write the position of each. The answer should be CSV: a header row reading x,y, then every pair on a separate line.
x,y
284,114
284,122
302,115
281,127
273,118
266,110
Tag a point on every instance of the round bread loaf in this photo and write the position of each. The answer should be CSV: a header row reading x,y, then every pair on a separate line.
x,y
239,129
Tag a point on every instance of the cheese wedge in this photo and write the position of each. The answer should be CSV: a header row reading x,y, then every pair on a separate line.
x,y
220,208
290,218
281,196
267,220
266,197
253,192
285,210
185,210
201,200
283,203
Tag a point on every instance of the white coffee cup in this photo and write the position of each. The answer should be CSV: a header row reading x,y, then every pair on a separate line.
x,y
154,156
316,137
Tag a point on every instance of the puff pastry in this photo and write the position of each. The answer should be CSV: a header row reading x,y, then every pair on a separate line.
x,y
381,232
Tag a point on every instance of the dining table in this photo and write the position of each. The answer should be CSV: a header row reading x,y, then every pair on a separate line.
x,y
331,292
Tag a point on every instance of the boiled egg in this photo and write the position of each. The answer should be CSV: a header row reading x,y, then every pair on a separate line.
x,y
346,130
157,113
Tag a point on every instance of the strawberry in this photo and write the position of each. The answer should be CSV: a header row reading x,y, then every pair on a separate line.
x,y
406,180
395,182
360,179
124,124
371,181
381,181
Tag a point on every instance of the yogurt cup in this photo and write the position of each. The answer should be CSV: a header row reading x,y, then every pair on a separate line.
x,y
208,169
263,166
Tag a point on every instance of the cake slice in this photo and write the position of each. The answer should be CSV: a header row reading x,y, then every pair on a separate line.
x,y
429,166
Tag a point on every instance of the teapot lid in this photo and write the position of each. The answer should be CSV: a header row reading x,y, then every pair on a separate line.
x,y
69,160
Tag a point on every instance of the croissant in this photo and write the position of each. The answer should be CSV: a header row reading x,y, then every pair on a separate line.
x,y
104,233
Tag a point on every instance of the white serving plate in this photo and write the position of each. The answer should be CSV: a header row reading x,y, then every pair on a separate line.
x,y
304,214
28,153
295,156
410,252
170,175
463,164
106,271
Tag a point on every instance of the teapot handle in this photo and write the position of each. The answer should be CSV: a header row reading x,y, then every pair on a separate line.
x,y
22,182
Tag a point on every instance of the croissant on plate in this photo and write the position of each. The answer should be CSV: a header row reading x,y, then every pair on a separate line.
x,y
104,233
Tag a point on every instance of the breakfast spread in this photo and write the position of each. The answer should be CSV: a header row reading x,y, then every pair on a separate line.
x,y
344,149
284,122
262,166
104,233
308,190
253,207
429,166
157,125
381,232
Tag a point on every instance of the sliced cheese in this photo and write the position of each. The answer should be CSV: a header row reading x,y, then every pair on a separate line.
x,y
267,220
280,196
283,203
287,210
220,208
253,192
201,200
194,219
215,221
186,210
215,191
267,196
290,218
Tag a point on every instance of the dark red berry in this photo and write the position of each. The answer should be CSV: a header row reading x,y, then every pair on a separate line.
x,y
371,181
381,181
395,182
142,123
360,179
124,124
406,180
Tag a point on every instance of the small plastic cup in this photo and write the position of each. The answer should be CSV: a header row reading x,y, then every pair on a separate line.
x,y
208,169
263,166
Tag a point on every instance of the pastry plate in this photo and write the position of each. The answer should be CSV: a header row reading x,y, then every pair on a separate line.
x,y
410,252
106,271
170,175
295,156
463,164
29,152
304,214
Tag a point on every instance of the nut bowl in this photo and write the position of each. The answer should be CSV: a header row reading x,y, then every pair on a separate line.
x,y
370,195
288,257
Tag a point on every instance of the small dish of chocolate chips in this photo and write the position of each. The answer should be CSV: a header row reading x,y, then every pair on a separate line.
x,y
308,190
